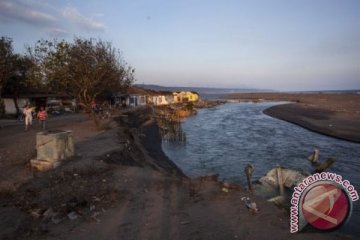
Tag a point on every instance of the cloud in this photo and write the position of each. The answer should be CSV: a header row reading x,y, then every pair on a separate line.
x,y
57,32
18,11
76,18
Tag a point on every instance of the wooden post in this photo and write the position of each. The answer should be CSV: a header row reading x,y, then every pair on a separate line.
x,y
249,169
325,165
314,157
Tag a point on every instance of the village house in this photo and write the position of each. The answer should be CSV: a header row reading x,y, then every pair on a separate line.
x,y
52,102
186,96
135,100
158,100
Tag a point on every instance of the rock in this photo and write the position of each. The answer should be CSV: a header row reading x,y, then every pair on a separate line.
x,y
49,213
278,200
73,216
56,219
35,213
251,205
290,177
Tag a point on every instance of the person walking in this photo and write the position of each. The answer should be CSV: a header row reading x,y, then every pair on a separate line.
x,y
42,116
27,117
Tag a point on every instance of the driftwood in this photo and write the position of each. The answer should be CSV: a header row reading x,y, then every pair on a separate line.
x,y
325,165
320,167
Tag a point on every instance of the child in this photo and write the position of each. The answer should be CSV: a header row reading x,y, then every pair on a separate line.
x,y
42,116
28,117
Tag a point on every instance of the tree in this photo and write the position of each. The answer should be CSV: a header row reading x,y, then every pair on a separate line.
x,y
6,54
19,80
84,69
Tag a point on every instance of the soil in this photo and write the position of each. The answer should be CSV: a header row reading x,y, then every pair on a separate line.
x,y
120,185
335,115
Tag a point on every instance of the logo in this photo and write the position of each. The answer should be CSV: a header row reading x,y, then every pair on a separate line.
x,y
325,206
323,201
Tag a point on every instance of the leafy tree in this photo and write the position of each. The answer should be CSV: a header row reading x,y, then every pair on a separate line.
x,y
19,80
6,54
84,69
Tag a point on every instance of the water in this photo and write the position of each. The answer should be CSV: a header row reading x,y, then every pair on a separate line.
x,y
224,139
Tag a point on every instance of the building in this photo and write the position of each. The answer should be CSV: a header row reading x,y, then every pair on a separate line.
x,y
186,96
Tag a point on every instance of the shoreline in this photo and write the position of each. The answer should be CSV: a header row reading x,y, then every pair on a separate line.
x,y
333,115
342,129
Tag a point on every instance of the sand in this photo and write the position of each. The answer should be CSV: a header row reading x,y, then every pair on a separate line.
x,y
335,115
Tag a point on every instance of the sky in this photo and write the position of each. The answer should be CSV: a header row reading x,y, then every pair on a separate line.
x,y
287,45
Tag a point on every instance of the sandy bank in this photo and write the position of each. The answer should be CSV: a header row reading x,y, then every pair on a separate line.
x,y
335,115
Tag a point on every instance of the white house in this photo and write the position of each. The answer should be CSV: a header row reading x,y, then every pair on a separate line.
x,y
10,105
158,100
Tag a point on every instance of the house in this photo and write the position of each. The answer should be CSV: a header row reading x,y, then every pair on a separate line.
x,y
158,100
135,100
133,97
10,107
35,100
186,96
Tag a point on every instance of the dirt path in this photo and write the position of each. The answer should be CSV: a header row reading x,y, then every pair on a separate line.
x,y
17,146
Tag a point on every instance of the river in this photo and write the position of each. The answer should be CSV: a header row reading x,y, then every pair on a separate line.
x,y
222,140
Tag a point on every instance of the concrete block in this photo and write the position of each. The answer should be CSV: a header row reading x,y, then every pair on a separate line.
x,y
43,165
54,145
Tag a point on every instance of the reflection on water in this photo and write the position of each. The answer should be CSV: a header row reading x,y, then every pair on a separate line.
x,y
224,139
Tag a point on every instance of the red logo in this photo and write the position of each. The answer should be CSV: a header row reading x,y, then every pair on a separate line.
x,y
325,206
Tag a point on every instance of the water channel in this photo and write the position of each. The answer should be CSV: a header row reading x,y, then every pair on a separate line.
x,y
222,140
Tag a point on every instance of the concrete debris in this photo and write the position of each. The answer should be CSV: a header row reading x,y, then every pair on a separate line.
x,y
251,205
49,213
56,219
35,213
290,177
73,216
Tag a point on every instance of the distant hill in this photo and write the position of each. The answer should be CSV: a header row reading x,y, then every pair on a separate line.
x,y
200,90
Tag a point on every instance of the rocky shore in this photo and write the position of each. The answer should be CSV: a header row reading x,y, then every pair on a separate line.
x,y
120,185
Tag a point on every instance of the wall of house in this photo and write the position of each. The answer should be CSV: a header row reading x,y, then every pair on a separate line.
x,y
10,106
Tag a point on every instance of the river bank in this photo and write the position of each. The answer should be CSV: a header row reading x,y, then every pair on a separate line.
x,y
335,115
120,185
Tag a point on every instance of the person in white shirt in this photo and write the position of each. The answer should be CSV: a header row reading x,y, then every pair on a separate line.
x,y
28,117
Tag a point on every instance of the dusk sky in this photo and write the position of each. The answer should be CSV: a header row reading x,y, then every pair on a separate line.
x,y
268,44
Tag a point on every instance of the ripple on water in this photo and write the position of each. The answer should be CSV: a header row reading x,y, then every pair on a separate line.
x,y
224,139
